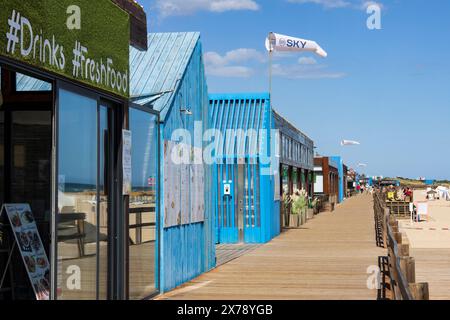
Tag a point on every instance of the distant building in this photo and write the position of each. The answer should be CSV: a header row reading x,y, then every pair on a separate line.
x,y
326,178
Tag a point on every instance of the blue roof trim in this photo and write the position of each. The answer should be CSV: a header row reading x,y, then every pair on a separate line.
x,y
237,96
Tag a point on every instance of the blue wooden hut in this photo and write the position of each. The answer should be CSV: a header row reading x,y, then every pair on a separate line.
x,y
170,78
244,196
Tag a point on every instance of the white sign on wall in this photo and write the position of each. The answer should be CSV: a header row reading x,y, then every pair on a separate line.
x,y
126,161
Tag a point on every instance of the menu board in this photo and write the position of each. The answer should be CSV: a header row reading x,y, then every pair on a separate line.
x,y
31,248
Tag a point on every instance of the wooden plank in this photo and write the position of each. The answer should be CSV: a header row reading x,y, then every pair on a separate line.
x,y
327,259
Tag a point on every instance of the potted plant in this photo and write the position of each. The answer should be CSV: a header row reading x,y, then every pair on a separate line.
x,y
300,206
286,200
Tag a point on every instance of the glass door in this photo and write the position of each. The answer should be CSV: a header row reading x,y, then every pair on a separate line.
x,y
143,205
84,200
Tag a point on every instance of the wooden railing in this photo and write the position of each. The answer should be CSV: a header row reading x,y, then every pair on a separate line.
x,y
397,266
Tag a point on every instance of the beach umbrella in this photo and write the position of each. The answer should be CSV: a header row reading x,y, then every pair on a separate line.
x,y
431,192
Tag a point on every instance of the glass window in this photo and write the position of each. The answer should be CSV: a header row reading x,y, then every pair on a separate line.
x,y
2,156
103,209
31,147
26,83
295,177
77,197
285,177
142,219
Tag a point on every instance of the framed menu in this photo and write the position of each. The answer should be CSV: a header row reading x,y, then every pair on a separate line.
x,y
31,248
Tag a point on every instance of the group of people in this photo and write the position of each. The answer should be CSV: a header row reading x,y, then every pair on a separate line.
x,y
398,193
364,188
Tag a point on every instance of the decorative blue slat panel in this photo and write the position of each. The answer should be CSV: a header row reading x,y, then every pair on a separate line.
x,y
255,197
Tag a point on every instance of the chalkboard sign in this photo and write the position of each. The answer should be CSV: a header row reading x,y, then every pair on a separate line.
x,y
31,248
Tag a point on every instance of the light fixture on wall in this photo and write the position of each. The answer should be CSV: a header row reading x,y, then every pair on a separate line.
x,y
186,111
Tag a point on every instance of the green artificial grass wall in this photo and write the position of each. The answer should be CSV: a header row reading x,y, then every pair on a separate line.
x,y
105,32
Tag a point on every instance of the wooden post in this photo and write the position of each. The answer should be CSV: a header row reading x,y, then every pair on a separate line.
x,y
393,221
420,291
403,250
407,265
397,237
385,227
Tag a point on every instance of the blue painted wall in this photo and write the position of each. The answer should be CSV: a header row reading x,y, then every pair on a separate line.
x,y
188,250
340,166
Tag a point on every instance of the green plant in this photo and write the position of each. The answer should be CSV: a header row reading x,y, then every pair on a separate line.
x,y
299,201
313,203
287,200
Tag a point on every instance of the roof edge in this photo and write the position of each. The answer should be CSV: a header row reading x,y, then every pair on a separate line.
x,y
244,95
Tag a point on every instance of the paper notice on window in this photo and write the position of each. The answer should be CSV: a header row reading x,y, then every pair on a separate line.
x,y
126,161
31,248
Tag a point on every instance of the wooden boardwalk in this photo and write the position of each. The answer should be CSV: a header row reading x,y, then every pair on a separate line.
x,y
326,259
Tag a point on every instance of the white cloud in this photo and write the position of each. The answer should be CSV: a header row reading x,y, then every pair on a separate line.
x,y
366,4
228,65
230,71
336,4
325,3
245,63
227,5
305,71
185,7
307,61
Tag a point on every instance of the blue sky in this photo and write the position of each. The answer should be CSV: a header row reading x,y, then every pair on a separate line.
x,y
388,88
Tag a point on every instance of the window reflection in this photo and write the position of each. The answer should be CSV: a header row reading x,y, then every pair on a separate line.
x,y
77,197
2,154
142,217
26,83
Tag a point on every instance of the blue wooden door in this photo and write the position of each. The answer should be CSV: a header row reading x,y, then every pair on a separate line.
x,y
238,217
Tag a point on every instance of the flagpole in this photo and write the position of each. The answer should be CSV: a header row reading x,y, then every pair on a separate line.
x,y
270,73
270,99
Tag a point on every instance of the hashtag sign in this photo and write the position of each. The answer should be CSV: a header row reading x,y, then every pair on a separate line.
x,y
14,28
76,59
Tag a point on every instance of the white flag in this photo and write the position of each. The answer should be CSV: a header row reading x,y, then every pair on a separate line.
x,y
362,165
349,143
279,42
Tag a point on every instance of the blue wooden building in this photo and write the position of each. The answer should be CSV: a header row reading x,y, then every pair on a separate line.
x,y
296,163
169,77
251,174
245,199
340,166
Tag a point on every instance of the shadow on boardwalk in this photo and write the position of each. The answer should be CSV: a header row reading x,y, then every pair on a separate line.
x,y
328,259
